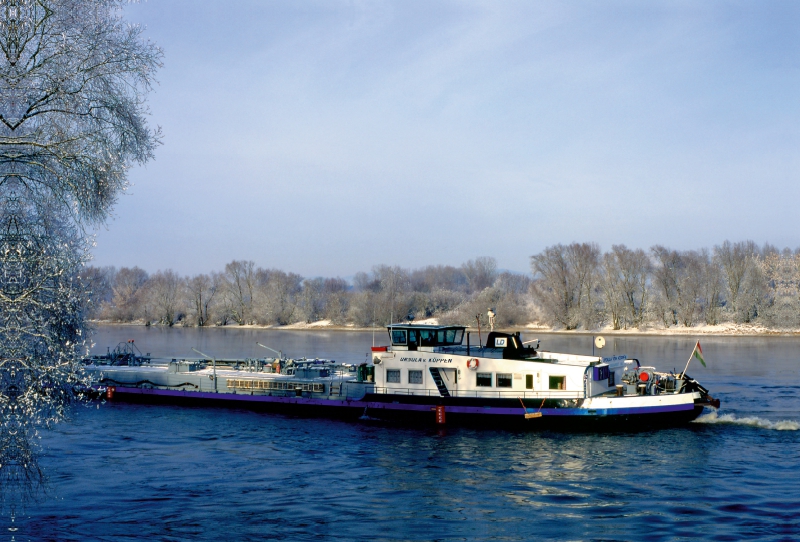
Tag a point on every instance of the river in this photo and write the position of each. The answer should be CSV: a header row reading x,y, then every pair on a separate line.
x,y
138,472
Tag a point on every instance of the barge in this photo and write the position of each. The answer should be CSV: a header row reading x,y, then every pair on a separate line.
x,y
428,375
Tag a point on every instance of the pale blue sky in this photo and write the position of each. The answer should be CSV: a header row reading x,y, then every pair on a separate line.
x,y
326,137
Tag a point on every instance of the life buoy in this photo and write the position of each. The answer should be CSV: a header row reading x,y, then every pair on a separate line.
x,y
473,363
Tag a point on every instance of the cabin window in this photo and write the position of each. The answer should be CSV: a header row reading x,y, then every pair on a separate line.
x,y
427,338
558,383
503,380
483,379
449,336
414,377
398,336
393,376
454,336
528,382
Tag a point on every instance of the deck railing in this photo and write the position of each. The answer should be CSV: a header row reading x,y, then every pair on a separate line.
x,y
486,394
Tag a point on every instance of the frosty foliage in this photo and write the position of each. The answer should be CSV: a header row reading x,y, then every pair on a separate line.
x,y
735,282
73,80
73,84
245,294
573,286
42,307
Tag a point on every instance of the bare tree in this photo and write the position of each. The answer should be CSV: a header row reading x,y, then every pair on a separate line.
x,y
438,277
127,293
631,270
665,282
611,285
689,275
480,273
711,293
312,299
566,282
165,290
202,290
240,284
382,296
515,284
335,291
278,295
395,287
738,263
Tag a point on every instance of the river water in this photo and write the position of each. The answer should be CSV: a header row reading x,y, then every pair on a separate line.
x,y
138,472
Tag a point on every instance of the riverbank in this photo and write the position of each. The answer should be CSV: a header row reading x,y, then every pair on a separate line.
x,y
726,329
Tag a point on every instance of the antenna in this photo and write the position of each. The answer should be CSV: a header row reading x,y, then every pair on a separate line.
x,y
391,313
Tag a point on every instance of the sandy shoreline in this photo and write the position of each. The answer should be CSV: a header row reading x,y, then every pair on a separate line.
x,y
733,330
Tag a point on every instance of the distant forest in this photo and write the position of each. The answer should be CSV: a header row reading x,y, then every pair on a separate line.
x,y
573,286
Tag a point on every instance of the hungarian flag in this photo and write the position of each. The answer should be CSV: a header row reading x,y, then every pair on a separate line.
x,y
698,353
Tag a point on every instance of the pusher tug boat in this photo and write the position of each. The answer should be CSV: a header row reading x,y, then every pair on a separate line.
x,y
428,375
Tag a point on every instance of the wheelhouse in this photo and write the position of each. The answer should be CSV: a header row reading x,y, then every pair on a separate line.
x,y
412,337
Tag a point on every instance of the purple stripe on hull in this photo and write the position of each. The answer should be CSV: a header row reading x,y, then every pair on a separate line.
x,y
391,406
501,411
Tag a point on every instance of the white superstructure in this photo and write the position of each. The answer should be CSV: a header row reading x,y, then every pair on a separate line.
x,y
435,360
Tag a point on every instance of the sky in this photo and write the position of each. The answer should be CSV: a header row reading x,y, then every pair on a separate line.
x,y
326,137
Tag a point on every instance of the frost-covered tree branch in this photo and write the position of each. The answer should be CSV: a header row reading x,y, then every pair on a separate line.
x,y
74,77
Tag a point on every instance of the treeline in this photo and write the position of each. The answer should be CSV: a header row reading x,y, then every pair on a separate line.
x,y
577,286
573,286
243,293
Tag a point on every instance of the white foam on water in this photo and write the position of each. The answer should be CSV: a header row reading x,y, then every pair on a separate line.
x,y
752,421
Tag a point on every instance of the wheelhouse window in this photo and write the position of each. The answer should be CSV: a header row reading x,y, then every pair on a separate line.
x,y
483,379
558,382
447,337
503,380
398,336
427,338
414,377
393,376
419,335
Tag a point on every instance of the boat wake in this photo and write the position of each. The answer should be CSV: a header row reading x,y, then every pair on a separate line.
x,y
752,421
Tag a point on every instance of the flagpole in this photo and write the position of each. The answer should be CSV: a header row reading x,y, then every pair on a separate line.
x,y
690,360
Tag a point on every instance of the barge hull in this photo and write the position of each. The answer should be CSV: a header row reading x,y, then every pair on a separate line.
x,y
505,413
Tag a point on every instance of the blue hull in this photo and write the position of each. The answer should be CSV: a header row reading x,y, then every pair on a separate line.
x,y
418,410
